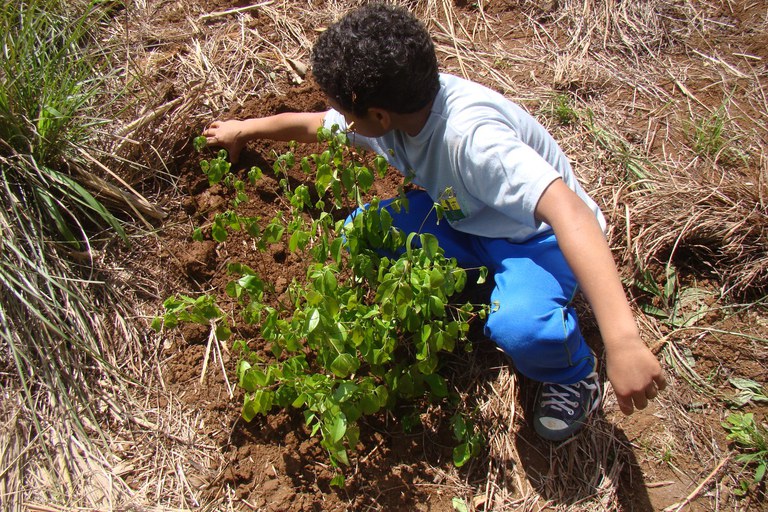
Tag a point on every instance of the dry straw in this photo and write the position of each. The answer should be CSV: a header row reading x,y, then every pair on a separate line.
x,y
619,66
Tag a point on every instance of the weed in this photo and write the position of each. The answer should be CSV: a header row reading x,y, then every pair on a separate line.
x,y
709,139
469,438
673,304
751,439
749,391
637,168
561,108
667,455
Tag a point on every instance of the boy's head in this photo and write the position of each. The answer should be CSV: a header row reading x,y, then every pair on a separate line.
x,y
377,56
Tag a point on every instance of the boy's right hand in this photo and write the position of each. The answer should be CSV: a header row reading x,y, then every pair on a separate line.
x,y
228,135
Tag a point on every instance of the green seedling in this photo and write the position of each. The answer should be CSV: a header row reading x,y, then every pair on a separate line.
x,y
751,438
470,439
368,326
561,108
675,305
202,311
459,505
709,138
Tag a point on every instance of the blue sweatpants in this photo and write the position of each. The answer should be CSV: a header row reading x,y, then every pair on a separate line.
x,y
532,319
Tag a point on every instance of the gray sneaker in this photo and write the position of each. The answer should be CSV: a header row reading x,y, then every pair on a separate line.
x,y
562,409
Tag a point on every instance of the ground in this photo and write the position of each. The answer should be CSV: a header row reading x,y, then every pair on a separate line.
x,y
672,455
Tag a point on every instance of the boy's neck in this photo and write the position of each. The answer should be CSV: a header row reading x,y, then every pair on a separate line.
x,y
412,123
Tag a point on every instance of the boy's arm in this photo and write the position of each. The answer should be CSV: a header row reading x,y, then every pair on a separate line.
x,y
632,368
233,135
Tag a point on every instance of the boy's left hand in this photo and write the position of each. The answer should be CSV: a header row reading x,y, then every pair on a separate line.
x,y
635,374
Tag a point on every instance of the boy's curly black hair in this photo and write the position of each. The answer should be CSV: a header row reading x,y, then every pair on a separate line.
x,y
377,56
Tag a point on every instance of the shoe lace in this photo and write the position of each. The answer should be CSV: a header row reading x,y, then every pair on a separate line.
x,y
558,396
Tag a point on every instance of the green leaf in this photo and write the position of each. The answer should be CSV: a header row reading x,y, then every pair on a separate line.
x,y
436,278
345,391
436,306
298,240
481,279
273,233
344,365
252,284
300,400
381,165
340,456
459,427
654,311
252,380
369,404
255,174
336,250
409,245
223,332
258,402
88,201
749,390
338,429
242,366
382,393
461,454
365,179
338,480
426,331
313,321
157,324
760,471
459,505
430,244
199,143
437,385
218,231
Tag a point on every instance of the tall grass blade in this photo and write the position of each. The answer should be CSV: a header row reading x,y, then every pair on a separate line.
x,y
53,348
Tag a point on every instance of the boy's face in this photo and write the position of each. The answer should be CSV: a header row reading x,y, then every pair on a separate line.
x,y
373,124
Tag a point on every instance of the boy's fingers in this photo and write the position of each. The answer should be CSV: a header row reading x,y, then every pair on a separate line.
x,y
625,404
661,382
209,129
641,402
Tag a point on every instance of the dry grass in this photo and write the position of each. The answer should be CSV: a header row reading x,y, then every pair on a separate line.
x,y
621,61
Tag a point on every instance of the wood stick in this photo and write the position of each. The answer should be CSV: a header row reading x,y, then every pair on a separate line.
x,y
233,11
677,507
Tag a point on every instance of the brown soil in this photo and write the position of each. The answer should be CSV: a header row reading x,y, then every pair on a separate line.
x,y
273,464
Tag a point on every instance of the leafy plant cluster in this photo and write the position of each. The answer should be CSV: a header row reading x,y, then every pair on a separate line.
x,y
751,438
367,327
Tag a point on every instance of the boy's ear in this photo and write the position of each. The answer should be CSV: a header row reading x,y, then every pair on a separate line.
x,y
380,116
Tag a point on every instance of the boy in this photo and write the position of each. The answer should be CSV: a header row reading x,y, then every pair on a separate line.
x,y
510,196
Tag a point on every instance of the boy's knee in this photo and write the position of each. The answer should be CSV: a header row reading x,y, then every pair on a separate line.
x,y
544,345
514,331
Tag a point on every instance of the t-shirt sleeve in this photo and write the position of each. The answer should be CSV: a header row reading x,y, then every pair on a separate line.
x,y
333,117
503,172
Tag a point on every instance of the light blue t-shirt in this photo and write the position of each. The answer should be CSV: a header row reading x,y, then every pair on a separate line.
x,y
484,158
